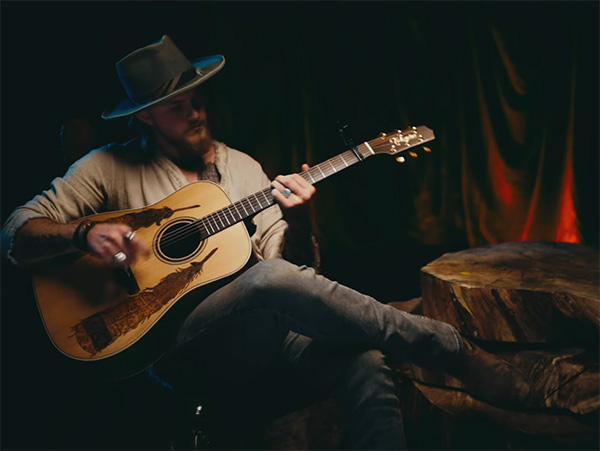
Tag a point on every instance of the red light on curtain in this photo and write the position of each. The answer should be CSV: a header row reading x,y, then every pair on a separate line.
x,y
501,185
567,229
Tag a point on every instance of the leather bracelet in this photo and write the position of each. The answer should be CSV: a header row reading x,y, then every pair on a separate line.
x,y
81,233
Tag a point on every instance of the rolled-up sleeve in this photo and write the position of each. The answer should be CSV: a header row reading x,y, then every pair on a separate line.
x,y
268,239
80,192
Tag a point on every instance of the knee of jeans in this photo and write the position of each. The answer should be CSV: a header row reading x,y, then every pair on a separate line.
x,y
271,276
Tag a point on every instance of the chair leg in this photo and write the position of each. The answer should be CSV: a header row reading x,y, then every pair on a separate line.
x,y
200,436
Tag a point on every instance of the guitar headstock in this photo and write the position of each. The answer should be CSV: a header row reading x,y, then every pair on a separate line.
x,y
398,141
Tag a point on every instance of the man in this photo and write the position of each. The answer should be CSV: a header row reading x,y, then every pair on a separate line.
x,y
278,313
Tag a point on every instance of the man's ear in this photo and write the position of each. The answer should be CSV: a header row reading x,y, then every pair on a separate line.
x,y
144,117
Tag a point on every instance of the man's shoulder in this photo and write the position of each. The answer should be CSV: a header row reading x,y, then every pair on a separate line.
x,y
116,151
129,150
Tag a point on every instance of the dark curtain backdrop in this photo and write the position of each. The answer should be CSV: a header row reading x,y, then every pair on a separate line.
x,y
510,89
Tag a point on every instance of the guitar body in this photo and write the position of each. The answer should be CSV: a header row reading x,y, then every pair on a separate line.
x,y
93,311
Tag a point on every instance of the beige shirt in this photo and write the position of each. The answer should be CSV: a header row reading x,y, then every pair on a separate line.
x,y
125,176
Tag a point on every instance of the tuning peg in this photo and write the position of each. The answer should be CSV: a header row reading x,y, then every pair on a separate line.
x,y
412,154
400,159
426,149
382,135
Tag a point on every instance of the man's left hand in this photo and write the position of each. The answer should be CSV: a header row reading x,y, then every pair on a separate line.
x,y
294,195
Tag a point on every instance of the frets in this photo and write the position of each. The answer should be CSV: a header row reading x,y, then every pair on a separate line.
x,y
248,206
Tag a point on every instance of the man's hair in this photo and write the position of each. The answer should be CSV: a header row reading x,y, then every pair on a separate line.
x,y
141,130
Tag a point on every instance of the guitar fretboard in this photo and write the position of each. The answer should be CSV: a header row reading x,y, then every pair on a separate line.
x,y
250,205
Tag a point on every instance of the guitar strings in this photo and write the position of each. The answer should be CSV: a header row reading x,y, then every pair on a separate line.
x,y
211,221
316,173
219,220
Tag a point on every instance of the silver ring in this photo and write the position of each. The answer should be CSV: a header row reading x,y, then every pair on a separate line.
x,y
119,257
287,192
129,235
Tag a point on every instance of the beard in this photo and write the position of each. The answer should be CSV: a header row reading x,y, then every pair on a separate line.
x,y
191,147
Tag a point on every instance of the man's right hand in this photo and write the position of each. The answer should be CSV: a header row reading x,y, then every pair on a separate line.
x,y
41,238
107,240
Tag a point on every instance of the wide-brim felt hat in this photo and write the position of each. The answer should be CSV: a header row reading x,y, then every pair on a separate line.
x,y
158,72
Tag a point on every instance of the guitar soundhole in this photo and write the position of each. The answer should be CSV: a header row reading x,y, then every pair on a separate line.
x,y
178,241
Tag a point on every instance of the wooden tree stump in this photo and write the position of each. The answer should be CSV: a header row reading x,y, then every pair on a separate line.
x,y
517,292
535,305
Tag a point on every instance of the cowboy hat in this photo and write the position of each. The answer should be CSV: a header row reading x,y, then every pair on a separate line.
x,y
158,72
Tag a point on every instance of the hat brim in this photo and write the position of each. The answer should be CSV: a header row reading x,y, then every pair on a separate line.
x,y
205,68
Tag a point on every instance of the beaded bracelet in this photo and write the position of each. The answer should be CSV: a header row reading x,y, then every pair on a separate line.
x,y
81,233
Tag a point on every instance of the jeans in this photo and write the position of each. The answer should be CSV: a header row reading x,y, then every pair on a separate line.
x,y
335,340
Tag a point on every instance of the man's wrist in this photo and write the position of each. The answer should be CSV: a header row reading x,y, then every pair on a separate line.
x,y
81,233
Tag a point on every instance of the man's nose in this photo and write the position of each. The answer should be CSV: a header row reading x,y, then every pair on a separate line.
x,y
194,113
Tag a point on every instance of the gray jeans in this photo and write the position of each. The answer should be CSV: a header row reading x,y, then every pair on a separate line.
x,y
334,339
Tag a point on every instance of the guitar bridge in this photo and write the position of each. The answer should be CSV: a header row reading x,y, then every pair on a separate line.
x,y
125,278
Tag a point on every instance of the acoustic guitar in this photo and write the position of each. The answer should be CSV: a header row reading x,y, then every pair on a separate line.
x,y
121,318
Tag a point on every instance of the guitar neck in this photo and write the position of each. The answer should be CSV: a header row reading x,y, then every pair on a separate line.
x,y
250,205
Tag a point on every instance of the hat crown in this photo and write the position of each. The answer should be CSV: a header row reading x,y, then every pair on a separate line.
x,y
158,72
147,69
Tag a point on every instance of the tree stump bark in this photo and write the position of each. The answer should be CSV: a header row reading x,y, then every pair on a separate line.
x,y
535,305
517,292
